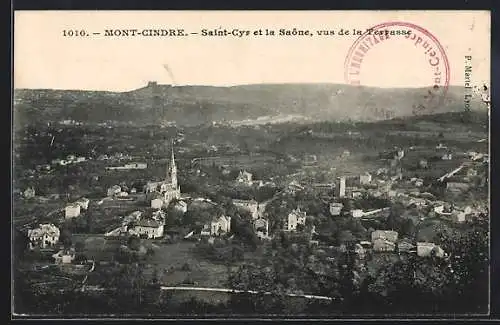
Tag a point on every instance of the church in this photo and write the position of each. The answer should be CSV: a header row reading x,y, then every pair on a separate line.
x,y
169,189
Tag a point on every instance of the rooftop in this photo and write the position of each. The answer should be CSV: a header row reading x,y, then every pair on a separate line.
x,y
148,223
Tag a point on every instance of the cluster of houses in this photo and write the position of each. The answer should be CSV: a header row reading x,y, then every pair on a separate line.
x,y
387,241
150,223
70,159
47,236
406,191
44,236
130,166
29,193
245,178
117,191
219,226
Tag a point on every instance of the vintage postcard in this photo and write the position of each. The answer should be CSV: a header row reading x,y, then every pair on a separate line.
x,y
310,164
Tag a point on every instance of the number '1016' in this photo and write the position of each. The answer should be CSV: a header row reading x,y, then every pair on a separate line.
x,y
74,32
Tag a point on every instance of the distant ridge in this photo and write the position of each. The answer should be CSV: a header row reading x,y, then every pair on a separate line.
x,y
192,105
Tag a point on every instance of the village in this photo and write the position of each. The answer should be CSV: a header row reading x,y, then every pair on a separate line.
x,y
387,212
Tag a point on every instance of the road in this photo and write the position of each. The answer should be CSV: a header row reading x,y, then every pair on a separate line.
x,y
223,290
241,291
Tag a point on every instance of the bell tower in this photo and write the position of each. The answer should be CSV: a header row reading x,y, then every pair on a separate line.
x,y
173,169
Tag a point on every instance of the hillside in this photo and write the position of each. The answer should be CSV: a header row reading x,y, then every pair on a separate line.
x,y
192,105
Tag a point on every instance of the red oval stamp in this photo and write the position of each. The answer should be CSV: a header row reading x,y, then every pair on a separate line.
x,y
424,41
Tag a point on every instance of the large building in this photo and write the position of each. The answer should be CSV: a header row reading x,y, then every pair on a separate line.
x,y
169,188
72,211
251,206
150,224
341,187
261,227
217,227
44,236
295,218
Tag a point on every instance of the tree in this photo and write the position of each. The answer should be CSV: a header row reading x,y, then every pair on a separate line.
x,y
394,218
21,242
65,237
90,222
134,243
408,228
243,230
79,247
346,237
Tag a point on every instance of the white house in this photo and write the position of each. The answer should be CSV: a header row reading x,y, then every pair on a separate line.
x,y
157,203
447,156
357,213
218,226
336,208
360,251
137,166
365,178
389,235
251,206
295,218
134,216
261,227
461,215
358,194
180,206
149,227
43,236
122,195
64,256
83,203
345,154
442,210
383,245
293,187
113,190
425,249
72,211
244,177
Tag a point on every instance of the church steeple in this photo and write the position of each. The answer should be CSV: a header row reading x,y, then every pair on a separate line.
x,y
173,168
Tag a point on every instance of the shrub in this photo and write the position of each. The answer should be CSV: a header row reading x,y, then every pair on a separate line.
x,y
186,267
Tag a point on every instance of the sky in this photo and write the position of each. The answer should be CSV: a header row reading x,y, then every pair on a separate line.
x,y
44,58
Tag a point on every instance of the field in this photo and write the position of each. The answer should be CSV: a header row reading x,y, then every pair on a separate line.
x,y
175,264
172,257
97,247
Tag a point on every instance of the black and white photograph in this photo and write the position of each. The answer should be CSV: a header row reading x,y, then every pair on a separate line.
x,y
250,164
